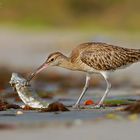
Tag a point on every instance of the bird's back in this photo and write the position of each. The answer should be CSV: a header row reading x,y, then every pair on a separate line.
x,y
102,56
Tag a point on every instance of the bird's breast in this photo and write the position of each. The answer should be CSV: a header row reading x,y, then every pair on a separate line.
x,y
83,67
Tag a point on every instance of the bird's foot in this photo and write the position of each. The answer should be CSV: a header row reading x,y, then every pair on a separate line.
x,y
76,106
98,106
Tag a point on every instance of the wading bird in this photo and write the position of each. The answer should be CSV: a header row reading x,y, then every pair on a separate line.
x,y
93,57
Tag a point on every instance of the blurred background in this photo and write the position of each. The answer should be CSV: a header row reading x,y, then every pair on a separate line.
x,y
31,29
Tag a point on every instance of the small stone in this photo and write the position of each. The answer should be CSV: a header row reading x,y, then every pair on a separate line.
x,y
89,102
19,112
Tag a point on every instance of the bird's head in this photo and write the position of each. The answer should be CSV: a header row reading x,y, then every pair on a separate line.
x,y
54,59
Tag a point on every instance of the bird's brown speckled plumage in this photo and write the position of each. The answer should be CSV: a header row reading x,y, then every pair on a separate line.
x,y
103,57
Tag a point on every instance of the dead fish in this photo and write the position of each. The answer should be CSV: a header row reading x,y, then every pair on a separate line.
x,y
26,92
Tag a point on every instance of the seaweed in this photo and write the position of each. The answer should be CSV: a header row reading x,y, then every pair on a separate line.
x,y
4,105
133,108
55,106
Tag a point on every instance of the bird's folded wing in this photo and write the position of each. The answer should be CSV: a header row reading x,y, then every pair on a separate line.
x,y
105,59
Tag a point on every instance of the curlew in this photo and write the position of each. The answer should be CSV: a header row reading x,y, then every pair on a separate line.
x,y
93,57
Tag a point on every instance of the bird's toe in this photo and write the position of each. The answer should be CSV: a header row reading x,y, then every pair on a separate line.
x,y
76,106
99,106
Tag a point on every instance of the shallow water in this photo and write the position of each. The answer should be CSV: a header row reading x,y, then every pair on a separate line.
x,y
35,117
30,117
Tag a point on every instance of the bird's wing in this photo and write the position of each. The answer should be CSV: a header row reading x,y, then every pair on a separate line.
x,y
105,58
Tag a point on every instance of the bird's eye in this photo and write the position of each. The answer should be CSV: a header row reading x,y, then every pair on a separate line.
x,y
52,59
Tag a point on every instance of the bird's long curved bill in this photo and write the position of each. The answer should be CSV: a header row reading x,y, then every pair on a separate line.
x,y
38,70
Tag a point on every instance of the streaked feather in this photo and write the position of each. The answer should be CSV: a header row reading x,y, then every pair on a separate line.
x,y
101,56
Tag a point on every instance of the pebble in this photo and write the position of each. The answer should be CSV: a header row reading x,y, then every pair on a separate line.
x,y
19,112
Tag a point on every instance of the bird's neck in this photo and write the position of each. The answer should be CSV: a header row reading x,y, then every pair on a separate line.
x,y
66,63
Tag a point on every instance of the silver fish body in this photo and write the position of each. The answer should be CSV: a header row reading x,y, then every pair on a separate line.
x,y
26,93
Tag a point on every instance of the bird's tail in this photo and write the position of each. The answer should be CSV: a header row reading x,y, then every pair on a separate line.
x,y
134,55
137,53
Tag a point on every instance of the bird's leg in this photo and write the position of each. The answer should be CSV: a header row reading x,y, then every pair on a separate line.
x,y
100,104
83,92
